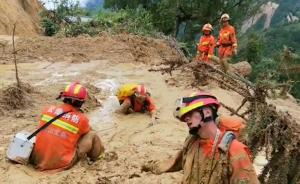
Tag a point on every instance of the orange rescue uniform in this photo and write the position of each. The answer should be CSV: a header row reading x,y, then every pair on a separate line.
x,y
56,146
206,48
200,165
148,104
240,168
227,42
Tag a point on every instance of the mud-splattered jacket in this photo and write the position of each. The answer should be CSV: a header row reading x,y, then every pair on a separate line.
x,y
233,167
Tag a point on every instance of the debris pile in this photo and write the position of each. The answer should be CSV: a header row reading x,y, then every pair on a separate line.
x,y
267,127
16,97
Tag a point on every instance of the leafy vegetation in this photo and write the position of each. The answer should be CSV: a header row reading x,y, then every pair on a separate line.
x,y
173,17
66,19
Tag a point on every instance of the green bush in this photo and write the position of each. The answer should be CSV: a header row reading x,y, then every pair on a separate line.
x,y
74,30
254,48
50,28
138,21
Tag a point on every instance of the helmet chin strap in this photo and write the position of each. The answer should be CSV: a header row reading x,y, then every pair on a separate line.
x,y
206,119
194,130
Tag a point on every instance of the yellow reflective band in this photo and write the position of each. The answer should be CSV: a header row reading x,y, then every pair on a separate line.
x,y
189,108
77,89
205,43
61,124
67,88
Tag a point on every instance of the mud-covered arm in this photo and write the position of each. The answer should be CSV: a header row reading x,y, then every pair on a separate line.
x,y
242,169
171,165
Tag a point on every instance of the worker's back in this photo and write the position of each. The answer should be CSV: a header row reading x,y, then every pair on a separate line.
x,y
55,146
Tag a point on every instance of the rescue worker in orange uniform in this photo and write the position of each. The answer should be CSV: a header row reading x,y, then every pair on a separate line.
x,y
68,138
140,101
209,155
206,46
227,41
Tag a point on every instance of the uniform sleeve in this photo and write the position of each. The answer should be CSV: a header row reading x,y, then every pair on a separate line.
x,y
212,45
242,169
233,37
84,126
199,44
151,106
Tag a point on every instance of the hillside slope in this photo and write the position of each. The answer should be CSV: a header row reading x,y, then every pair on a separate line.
x,y
24,12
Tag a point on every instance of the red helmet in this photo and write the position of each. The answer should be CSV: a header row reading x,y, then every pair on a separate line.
x,y
75,91
141,90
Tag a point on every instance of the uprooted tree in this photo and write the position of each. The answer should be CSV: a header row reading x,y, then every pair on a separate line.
x,y
268,129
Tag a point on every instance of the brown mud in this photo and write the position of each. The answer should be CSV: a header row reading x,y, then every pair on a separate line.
x,y
46,64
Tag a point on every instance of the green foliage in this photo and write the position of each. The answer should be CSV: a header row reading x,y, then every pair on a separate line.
x,y
254,48
137,21
54,20
74,30
276,37
286,6
178,18
265,69
50,28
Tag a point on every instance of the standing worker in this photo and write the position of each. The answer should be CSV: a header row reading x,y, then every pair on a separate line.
x,y
209,155
206,46
227,42
68,138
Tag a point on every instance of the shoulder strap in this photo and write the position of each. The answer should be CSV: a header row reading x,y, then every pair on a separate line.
x,y
46,125
226,141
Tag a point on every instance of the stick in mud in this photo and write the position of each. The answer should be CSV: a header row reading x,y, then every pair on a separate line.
x,y
15,55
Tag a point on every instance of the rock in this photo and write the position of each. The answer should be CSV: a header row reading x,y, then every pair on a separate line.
x,y
243,68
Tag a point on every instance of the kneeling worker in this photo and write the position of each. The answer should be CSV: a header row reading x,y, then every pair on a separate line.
x,y
69,138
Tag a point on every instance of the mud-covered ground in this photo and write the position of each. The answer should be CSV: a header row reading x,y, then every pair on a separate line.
x,y
128,140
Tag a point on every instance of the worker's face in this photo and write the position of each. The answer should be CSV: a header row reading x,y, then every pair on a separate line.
x,y
206,32
140,98
225,22
193,121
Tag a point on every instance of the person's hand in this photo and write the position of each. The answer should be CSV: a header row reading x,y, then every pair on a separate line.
x,y
150,166
153,121
130,110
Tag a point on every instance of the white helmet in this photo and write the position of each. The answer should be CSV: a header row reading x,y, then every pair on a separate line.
x,y
225,17
207,27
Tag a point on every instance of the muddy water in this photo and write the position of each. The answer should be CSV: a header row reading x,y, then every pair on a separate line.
x,y
126,135
102,119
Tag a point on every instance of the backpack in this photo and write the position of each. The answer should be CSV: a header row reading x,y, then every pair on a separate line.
x,y
231,123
